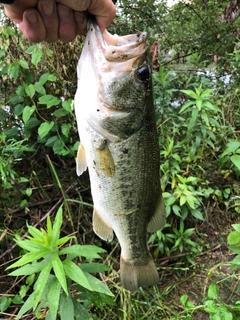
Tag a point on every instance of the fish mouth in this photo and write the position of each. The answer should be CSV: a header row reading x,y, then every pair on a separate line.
x,y
118,48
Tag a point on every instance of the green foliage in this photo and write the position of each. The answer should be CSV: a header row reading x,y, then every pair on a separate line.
x,y
213,306
44,257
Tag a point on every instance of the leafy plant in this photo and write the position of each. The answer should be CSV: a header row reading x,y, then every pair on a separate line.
x,y
213,306
45,257
231,154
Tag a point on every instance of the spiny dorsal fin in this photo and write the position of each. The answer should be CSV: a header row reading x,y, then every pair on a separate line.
x,y
159,218
101,228
81,160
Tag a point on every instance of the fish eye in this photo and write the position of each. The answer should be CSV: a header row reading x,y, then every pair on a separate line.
x,y
143,73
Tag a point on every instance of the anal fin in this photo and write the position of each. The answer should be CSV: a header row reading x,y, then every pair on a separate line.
x,y
159,218
101,228
81,160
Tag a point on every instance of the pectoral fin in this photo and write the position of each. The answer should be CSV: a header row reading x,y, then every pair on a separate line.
x,y
81,161
159,218
103,230
104,160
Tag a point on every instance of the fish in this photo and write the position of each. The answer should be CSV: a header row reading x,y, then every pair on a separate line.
x,y
119,146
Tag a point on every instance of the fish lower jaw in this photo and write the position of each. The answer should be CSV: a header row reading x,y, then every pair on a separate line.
x,y
134,274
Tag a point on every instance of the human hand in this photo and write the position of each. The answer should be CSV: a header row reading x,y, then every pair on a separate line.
x,y
50,20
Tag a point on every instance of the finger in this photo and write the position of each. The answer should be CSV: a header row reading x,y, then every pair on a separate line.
x,y
32,26
15,10
67,25
81,22
49,14
104,10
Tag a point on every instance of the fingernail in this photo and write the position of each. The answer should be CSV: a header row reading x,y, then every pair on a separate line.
x,y
32,17
47,7
64,13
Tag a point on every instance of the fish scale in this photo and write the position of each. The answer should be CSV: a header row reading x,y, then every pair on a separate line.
x,y
119,146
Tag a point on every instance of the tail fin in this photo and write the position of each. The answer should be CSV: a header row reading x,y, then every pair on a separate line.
x,y
135,276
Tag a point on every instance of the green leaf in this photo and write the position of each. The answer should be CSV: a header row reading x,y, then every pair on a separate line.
x,y
5,303
53,297
65,128
30,90
59,272
236,227
97,285
40,284
35,233
199,103
29,257
29,269
29,245
39,88
36,57
183,200
232,146
49,100
23,63
56,227
212,292
76,274
60,113
236,160
27,113
233,238
80,312
183,299
49,227
197,214
17,299
46,77
191,201
94,267
26,306
66,307
64,240
87,251
190,93
186,106
44,128
68,105
13,70
31,123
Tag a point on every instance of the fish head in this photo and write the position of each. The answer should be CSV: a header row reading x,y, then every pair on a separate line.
x,y
121,68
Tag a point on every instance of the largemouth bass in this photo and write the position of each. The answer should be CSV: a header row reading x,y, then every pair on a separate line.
x,y
119,145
